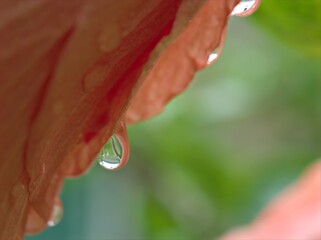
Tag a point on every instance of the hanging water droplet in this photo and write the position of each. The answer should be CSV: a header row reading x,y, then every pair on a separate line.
x,y
56,215
115,153
111,154
213,56
245,7
218,51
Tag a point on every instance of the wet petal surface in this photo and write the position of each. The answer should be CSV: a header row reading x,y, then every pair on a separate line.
x,y
70,69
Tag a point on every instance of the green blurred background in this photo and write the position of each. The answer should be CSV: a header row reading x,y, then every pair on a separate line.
x,y
244,130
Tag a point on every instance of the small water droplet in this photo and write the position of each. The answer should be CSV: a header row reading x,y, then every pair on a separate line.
x,y
56,215
245,8
213,56
115,152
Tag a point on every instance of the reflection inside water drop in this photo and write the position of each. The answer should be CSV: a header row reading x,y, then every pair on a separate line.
x,y
111,154
115,153
244,7
56,215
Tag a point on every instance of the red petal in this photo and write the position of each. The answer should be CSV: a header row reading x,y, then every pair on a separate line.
x,y
69,70
177,58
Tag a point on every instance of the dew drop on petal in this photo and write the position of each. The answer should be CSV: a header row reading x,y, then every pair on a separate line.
x,y
213,56
111,153
56,215
245,8
115,152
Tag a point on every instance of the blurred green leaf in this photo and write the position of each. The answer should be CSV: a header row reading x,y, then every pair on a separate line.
x,y
296,22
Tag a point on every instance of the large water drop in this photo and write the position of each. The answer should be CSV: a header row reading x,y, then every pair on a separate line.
x,y
245,8
115,153
111,154
56,215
